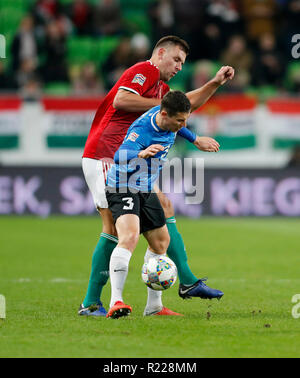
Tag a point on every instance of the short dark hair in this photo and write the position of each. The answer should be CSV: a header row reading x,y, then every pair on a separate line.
x,y
173,40
175,102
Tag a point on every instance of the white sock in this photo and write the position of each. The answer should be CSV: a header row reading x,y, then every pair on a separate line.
x,y
154,299
118,269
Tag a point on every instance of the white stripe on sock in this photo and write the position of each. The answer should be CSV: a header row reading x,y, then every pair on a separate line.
x,y
110,237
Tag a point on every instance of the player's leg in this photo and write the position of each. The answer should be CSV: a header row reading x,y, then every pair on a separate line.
x,y
128,227
94,172
156,233
100,260
176,250
158,241
189,286
125,210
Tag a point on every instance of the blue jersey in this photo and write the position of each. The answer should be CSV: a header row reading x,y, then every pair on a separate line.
x,y
140,174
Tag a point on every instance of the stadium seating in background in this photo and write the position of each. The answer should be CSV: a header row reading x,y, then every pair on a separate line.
x,y
135,16
24,5
79,49
10,18
11,14
137,22
292,78
262,93
182,80
85,49
135,5
57,89
96,48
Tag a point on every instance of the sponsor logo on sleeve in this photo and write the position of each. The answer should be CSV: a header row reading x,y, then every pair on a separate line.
x,y
140,79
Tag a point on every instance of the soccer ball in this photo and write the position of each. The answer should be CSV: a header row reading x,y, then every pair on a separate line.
x,y
159,273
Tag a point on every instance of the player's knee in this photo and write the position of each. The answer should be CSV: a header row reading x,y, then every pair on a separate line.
x,y
129,240
164,246
109,229
108,225
166,242
160,247
161,244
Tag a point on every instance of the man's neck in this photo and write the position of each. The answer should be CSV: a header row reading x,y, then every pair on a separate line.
x,y
154,61
158,121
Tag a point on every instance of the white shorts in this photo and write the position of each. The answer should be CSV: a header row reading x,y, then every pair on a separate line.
x,y
95,176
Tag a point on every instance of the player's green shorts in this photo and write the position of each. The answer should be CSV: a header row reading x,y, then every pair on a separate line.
x,y
145,205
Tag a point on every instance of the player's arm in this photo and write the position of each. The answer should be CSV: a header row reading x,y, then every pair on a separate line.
x,y
137,81
150,151
135,145
199,96
132,102
203,143
125,153
206,144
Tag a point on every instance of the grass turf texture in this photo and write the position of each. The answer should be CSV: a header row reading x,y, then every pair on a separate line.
x,y
44,269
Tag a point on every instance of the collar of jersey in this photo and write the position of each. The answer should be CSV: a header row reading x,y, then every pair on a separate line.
x,y
149,61
154,124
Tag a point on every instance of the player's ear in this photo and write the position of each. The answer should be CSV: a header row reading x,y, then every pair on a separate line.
x,y
163,113
161,52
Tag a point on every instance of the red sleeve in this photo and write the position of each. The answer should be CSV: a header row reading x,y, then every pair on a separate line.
x,y
139,78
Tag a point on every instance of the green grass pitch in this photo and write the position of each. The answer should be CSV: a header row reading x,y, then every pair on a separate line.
x,y
44,270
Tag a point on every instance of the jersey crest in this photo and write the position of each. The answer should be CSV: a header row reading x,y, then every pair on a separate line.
x,y
133,136
140,79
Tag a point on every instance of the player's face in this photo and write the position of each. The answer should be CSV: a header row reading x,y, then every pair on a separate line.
x,y
171,60
174,123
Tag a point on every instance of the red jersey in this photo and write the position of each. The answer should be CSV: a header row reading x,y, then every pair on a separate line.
x,y
110,125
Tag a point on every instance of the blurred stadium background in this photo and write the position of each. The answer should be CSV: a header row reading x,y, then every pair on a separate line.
x,y
60,57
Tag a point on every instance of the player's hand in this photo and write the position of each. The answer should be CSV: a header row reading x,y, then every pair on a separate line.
x,y
225,73
150,151
207,144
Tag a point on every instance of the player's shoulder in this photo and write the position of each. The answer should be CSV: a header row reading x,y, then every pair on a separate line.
x,y
147,116
146,119
153,110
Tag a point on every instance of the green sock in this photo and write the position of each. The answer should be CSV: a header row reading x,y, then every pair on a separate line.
x,y
100,268
177,253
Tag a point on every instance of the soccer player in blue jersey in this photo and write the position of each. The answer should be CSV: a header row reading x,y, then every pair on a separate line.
x,y
135,207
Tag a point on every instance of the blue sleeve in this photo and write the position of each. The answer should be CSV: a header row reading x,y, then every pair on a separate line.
x,y
187,134
125,155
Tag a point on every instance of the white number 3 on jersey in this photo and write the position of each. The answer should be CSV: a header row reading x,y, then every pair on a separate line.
x,y
130,203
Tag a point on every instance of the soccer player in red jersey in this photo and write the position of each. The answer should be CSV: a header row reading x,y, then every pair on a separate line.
x,y
140,88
